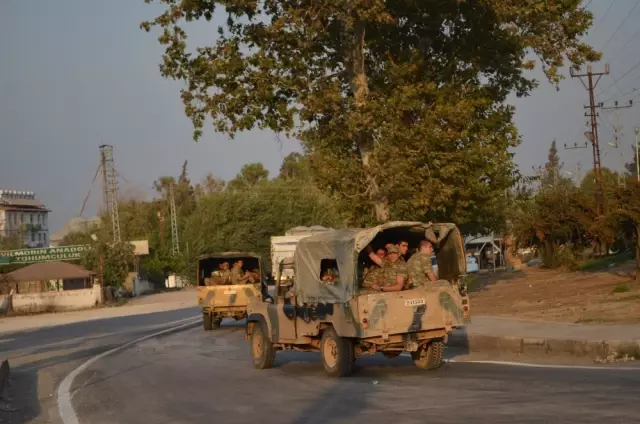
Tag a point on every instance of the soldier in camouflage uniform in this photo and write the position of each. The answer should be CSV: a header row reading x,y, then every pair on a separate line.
x,y
419,266
373,274
238,276
403,245
394,271
221,276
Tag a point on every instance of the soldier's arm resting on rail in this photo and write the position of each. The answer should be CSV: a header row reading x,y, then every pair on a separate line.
x,y
431,276
398,286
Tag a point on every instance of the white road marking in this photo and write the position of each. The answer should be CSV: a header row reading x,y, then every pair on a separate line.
x,y
529,365
67,413
569,367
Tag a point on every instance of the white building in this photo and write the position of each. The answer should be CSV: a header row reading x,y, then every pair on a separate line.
x,y
21,214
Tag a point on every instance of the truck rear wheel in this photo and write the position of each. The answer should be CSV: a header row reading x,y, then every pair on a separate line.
x,y
262,350
338,354
429,357
216,322
207,321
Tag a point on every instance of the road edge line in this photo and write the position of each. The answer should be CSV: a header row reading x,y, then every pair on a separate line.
x,y
65,408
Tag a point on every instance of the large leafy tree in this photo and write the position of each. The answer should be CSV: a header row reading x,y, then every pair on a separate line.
x,y
395,101
250,175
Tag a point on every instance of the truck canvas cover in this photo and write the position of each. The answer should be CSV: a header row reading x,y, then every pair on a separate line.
x,y
344,246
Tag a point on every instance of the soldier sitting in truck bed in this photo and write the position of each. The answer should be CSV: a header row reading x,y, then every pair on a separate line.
x,y
394,271
239,276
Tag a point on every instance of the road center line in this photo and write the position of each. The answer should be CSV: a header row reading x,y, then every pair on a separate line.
x,y
67,413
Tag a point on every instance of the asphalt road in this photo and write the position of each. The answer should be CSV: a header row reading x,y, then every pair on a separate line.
x,y
196,376
41,358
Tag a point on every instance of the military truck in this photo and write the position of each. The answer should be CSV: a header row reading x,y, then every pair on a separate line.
x,y
220,299
343,321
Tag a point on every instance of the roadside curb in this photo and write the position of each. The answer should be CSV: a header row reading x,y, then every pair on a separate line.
x,y
547,347
4,375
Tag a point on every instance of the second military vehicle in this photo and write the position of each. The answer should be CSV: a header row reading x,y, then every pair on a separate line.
x,y
335,316
220,299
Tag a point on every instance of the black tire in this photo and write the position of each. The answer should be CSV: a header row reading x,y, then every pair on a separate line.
x,y
338,363
216,323
429,357
262,350
207,321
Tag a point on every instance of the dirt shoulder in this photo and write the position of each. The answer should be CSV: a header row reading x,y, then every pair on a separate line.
x,y
578,297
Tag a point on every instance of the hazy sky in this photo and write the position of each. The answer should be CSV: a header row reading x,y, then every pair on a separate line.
x,y
78,73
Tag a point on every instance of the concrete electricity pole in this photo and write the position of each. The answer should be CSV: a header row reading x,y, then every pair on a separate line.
x,y
593,115
175,245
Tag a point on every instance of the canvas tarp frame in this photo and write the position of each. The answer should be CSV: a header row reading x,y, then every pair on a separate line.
x,y
344,246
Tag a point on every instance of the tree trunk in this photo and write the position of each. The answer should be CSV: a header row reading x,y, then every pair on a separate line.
x,y
360,88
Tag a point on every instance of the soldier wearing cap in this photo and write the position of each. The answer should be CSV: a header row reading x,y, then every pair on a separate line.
x,y
394,270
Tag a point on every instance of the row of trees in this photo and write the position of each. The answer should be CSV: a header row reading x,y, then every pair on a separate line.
x,y
562,219
213,215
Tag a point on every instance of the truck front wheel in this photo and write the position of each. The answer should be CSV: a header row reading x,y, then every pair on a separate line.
x,y
262,350
429,357
338,354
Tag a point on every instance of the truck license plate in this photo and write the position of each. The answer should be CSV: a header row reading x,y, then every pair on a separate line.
x,y
229,292
413,302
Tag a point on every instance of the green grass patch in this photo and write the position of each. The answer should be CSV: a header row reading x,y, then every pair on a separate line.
x,y
621,288
600,264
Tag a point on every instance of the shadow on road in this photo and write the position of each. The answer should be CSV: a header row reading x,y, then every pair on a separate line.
x,y
343,400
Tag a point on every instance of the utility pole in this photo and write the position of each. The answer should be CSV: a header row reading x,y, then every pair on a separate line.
x,y
575,146
617,128
175,245
592,114
110,188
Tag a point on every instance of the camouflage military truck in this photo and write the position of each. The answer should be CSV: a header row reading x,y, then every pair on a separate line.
x,y
340,319
220,299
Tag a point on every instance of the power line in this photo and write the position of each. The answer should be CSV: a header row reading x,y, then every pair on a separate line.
x,y
621,77
605,14
621,24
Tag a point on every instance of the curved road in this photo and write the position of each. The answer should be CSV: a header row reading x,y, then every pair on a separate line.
x,y
196,376
41,358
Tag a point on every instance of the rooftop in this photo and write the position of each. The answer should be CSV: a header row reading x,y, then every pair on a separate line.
x,y
49,271
15,199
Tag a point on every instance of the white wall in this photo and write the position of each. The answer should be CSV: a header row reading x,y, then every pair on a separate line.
x,y
56,301
141,287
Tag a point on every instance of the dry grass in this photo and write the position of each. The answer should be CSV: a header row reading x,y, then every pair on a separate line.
x,y
552,295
